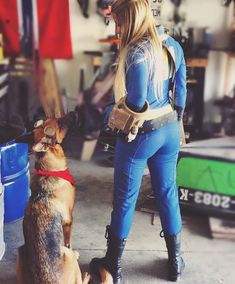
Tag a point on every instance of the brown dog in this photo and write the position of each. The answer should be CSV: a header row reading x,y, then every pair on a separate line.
x,y
47,257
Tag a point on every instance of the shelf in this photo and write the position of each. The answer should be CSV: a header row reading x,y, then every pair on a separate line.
x,y
192,81
197,62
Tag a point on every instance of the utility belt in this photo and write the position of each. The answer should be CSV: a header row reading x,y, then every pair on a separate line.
x,y
131,123
154,124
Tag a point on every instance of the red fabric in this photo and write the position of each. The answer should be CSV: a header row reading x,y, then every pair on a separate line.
x,y
9,27
54,28
61,174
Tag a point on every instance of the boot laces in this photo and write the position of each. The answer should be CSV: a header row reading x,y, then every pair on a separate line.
x,y
162,234
107,232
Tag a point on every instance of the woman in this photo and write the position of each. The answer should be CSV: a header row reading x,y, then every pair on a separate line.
x,y
143,76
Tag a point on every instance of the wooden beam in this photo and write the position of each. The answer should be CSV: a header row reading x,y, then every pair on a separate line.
x,y
49,89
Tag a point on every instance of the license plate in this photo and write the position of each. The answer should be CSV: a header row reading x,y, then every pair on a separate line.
x,y
205,199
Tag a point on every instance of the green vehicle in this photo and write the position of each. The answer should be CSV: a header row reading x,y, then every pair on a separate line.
x,y
206,176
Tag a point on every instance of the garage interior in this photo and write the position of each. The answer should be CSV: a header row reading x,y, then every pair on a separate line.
x,y
39,80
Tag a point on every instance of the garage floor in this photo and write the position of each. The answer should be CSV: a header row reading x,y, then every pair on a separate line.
x,y
208,261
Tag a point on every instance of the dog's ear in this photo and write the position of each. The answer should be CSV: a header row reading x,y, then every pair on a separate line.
x,y
68,120
27,138
65,123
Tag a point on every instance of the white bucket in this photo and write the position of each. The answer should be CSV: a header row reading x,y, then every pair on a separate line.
x,y
2,244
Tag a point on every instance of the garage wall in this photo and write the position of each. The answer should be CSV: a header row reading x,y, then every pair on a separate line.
x,y
199,14
85,34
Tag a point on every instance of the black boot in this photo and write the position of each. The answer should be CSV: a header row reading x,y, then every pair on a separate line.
x,y
112,260
175,261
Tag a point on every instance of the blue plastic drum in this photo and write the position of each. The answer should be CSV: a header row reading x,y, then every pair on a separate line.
x,y
2,243
14,173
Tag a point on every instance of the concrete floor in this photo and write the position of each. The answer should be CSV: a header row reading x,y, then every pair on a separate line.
x,y
208,261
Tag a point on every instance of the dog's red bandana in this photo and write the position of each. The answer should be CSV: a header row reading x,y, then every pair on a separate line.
x,y
61,174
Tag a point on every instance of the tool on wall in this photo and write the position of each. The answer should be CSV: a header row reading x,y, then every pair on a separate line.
x,y
104,9
177,3
233,29
177,18
27,36
84,5
227,2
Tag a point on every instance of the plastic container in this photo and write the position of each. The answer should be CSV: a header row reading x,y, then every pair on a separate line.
x,y
14,174
2,244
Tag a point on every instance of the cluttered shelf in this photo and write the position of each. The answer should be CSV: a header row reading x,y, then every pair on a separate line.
x,y
197,62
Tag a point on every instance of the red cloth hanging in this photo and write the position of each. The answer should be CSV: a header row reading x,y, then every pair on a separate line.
x,y
54,29
9,27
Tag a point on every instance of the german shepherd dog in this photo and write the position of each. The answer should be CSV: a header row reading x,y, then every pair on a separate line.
x,y
46,256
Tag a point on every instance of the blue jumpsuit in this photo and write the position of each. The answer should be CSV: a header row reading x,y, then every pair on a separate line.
x,y
157,149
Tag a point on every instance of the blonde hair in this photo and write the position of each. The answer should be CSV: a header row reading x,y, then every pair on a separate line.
x,y
139,27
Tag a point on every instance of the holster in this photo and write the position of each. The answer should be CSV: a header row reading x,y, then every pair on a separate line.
x,y
124,119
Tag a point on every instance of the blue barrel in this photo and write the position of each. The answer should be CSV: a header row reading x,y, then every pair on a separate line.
x,y
14,174
2,243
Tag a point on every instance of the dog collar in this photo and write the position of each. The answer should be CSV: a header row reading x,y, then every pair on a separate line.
x,y
65,174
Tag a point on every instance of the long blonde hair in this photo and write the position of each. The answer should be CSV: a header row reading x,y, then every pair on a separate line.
x,y
135,16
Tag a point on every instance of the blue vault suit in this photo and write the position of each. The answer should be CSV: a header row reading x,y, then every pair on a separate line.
x,y
157,149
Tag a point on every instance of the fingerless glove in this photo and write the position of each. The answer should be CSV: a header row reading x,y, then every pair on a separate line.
x,y
180,112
